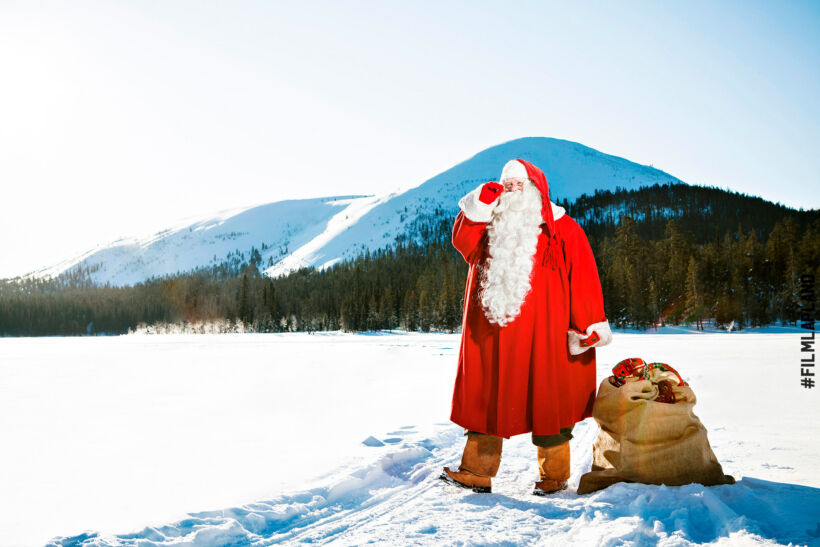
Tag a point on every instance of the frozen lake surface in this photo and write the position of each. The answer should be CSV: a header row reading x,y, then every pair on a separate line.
x,y
258,439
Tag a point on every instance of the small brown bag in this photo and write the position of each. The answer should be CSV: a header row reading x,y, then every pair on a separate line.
x,y
643,440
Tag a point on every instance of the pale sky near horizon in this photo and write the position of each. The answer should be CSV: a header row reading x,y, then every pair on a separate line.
x,y
120,118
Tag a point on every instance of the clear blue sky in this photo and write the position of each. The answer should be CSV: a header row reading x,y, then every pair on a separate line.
x,y
118,118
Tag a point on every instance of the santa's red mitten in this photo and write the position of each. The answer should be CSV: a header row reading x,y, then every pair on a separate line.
x,y
596,335
490,191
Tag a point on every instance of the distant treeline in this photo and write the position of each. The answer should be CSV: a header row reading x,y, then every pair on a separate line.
x,y
666,254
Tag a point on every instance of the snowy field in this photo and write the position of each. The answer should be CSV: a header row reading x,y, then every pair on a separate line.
x,y
338,438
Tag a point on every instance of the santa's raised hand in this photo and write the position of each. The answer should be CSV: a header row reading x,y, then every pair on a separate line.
x,y
490,192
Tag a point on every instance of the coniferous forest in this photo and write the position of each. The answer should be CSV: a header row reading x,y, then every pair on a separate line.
x,y
666,254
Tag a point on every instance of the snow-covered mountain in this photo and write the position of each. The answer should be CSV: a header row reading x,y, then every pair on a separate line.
x,y
280,230
319,232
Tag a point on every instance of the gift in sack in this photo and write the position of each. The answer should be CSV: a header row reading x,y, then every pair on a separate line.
x,y
644,439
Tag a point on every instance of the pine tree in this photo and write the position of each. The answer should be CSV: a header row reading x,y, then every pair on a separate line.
x,y
676,255
245,312
410,312
694,299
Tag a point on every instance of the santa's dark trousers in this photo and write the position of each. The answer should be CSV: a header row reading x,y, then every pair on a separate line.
x,y
544,441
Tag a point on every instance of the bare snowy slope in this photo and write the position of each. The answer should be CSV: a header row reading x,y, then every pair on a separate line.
x,y
279,230
319,232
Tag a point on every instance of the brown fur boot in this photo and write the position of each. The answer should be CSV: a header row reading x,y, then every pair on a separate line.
x,y
553,469
479,463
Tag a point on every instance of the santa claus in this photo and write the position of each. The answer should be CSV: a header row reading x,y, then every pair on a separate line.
x,y
533,316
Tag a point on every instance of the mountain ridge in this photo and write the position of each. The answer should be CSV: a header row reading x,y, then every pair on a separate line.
x,y
318,232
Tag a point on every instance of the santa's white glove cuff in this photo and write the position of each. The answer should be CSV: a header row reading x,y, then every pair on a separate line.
x,y
474,209
575,339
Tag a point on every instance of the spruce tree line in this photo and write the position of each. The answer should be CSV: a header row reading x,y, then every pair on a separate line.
x,y
666,254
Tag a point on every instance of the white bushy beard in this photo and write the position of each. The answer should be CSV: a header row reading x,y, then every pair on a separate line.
x,y
513,237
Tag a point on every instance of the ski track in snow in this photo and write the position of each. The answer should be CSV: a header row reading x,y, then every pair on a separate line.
x,y
396,498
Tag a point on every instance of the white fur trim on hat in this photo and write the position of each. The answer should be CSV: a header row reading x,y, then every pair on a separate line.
x,y
574,339
514,169
474,209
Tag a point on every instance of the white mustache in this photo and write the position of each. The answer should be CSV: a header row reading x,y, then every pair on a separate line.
x,y
519,200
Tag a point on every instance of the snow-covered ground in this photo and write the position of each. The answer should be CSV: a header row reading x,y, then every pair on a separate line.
x,y
260,439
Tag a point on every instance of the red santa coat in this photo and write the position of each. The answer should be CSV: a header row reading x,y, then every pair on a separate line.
x,y
536,374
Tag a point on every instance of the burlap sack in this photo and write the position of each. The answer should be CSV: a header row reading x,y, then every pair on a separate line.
x,y
642,440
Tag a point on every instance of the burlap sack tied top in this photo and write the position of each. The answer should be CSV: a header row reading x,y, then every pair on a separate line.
x,y
645,440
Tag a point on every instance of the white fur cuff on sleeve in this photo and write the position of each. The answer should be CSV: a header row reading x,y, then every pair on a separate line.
x,y
474,209
574,339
